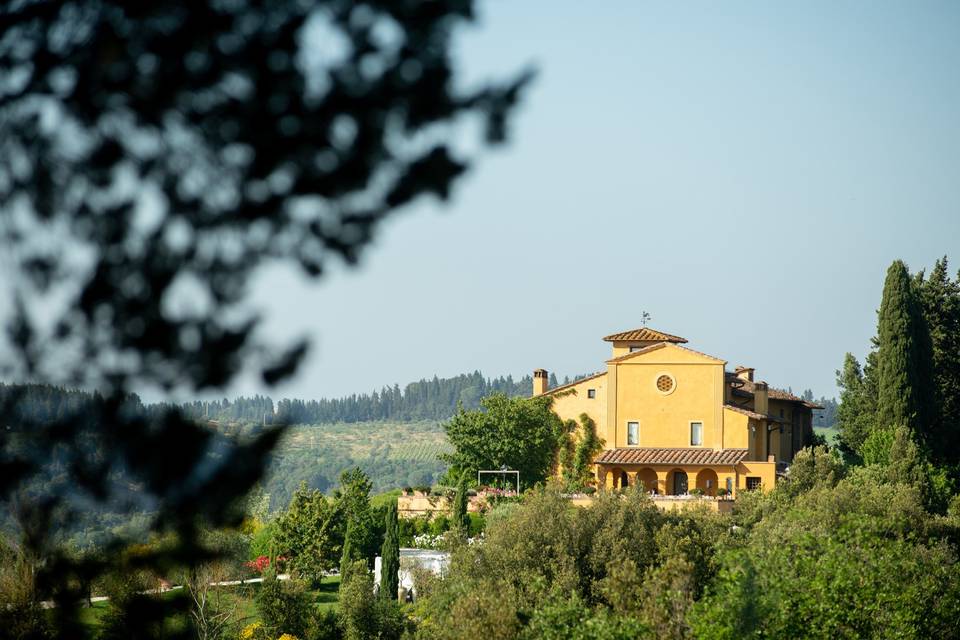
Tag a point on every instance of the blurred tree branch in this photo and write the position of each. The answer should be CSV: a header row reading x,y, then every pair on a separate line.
x,y
152,157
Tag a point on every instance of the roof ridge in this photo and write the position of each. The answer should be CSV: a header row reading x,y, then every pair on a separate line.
x,y
570,384
661,345
643,334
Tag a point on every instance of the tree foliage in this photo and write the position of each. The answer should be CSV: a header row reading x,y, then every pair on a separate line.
x,y
361,615
309,534
587,447
390,555
285,606
152,158
855,560
911,377
904,373
519,433
940,302
461,517
856,415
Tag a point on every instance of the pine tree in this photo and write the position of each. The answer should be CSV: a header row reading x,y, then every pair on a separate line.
x,y
856,415
390,555
461,519
904,396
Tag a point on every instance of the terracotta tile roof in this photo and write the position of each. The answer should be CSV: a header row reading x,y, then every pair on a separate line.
x,y
574,383
661,345
746,412
650,455
746,387
752,414
643,334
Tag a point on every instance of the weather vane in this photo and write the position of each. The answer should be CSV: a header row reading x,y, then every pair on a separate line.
x,y
644,318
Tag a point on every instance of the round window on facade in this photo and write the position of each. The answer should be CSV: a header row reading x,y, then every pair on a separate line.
x,y
665,383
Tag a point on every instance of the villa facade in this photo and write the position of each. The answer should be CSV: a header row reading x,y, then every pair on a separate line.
x,y
673,419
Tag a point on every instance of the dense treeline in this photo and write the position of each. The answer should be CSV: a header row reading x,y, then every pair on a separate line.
x,y
435,399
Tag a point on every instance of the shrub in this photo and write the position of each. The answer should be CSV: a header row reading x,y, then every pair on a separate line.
x,y
324,625
439,524
361,615
284,607
254,631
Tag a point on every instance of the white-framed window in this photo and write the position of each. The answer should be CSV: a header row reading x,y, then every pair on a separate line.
x,y
632,349
696,434
633,433
729,485
591,393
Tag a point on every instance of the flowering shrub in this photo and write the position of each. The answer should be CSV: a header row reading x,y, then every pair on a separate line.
x,y
254,631
288,636
429,541
261,564
441,541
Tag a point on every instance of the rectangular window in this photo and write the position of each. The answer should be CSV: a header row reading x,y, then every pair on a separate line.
x,y
633,433
752,483
730,485
696,434
632,349
591,393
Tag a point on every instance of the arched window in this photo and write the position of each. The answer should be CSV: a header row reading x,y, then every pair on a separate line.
x,y
679,482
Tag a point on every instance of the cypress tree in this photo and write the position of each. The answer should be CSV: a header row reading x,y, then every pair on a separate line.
x,y
904,393
940,300
349,552
390,555
461,519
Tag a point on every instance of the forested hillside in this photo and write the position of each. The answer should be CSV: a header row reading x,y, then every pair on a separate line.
x,y
393,434
434,399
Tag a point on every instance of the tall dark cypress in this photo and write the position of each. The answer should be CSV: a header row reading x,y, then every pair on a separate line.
x,y
349,552
940,300
460,517
905,385
390,555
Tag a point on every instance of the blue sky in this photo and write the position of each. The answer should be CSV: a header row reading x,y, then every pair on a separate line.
x,y
745,172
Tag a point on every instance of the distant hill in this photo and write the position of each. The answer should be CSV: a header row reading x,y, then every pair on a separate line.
x,y
433,399
394,435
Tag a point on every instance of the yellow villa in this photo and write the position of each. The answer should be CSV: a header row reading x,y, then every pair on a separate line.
x,y
673,419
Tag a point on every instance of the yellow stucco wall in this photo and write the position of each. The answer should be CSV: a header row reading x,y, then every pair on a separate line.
x,y
766,471
622,348
571,401
665,419
736,430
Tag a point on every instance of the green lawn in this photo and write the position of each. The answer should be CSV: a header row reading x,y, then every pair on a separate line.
x,y
830,433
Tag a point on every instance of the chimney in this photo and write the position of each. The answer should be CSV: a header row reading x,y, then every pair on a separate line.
x,y
760,398
744,373
539,382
